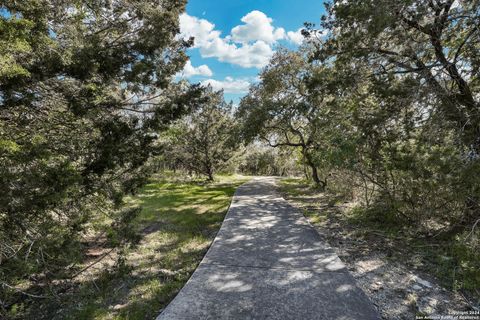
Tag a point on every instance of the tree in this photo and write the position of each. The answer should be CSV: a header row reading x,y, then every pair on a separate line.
x,y
84,86
283,111
428,48
205,140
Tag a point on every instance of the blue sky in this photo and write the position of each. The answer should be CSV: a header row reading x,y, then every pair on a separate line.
x,y
236,38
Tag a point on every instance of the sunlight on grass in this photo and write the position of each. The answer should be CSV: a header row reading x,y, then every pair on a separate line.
x,y
178,221
314,217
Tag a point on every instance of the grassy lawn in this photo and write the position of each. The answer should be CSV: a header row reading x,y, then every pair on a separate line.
x,y
178,222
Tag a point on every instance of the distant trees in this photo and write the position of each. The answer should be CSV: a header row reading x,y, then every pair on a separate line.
x,y
84,87
261,160
205,140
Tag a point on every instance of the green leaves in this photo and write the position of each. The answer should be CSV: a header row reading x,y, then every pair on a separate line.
x,y
204,141
84,87
14,46
424,44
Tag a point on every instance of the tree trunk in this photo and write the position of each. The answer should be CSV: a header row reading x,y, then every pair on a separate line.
x,y
315,178
304,165
210,175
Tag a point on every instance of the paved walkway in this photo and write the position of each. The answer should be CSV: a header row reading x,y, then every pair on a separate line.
x,y
267,262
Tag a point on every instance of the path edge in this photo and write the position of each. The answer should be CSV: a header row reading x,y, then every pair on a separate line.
x,y
159,317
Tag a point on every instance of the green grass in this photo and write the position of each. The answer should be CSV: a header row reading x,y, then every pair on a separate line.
x,y
178,221
296,187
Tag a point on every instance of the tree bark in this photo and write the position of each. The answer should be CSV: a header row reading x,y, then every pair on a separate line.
x,y
210,176
209,172
315,178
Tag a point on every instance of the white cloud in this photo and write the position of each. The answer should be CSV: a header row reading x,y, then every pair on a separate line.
x,y
248,45
212,45
296,36
189,70
257,27
201,29
248,55
229,85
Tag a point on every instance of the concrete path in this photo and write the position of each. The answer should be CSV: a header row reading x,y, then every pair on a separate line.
x,y
267,262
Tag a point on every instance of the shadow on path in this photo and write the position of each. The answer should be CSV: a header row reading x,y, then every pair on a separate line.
x,y
267,262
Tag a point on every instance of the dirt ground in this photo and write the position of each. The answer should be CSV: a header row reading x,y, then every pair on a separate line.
x,y
382,269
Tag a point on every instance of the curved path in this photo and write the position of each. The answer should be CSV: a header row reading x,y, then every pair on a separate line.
x,y
267,262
